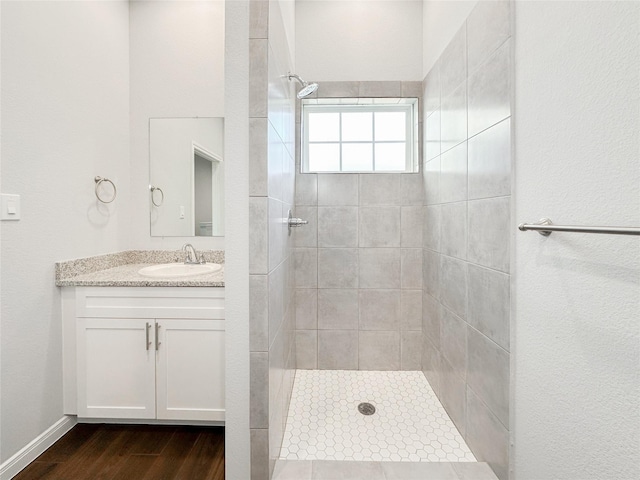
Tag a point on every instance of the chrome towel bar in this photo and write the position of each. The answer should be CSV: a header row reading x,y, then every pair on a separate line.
x,y
546,226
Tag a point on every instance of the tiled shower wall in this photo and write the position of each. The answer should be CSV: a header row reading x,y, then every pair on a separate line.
x,y
467,175
271,189
358,262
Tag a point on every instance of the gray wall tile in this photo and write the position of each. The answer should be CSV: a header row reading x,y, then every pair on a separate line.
x,y
306,235
410,351
379,226
259,313
292,470
432,135
431,93
258,19
411,89
411,268
379,268
490,91
490,162
338,89
432,225
258,235
418,471
432,181
259,390
337,189
431,319
467,227
333,470
307,349
411,189
489,232
453,62
337,349
453,118
474,471
453,174
306,189
487,437
276,430
431,273
380,89
275,159
276,302
489,304
258,156
411,310
453,342
379,351
380,189
276,238
337,226
259,454
306,267
488,26
454,229
431,363
379,309
488,374
411,226
453,278
338,309
258,77
306,309
287,243
337,267
452,393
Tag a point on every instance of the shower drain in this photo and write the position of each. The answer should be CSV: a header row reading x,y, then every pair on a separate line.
x,y
366,409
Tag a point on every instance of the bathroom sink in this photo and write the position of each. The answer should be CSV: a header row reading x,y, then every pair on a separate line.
x,y
176,270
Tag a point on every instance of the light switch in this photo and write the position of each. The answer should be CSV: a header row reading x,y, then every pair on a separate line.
x,y
10,207
181,211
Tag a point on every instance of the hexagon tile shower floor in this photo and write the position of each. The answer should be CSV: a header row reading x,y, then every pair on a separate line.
x,y
409,422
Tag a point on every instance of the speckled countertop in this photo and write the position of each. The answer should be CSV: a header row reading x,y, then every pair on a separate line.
x,y
121,270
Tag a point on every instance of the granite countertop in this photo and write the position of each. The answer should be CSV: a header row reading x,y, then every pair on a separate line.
x,y
121,270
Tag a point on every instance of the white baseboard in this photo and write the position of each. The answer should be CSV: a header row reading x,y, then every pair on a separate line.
x,y
36,447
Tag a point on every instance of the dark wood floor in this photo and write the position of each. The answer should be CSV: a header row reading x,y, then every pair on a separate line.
x,y
132,452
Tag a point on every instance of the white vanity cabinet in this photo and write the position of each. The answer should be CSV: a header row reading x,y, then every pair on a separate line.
x,y
147,353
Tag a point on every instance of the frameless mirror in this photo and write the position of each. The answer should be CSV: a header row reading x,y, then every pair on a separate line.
x,y
186,188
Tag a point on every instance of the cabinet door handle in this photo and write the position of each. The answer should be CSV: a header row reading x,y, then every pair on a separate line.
x,y
157,336
148,343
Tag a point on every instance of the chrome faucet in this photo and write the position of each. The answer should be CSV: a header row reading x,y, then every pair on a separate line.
x,y
192,255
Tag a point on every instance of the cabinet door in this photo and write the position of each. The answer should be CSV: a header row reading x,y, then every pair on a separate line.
x,y
190,370
116,368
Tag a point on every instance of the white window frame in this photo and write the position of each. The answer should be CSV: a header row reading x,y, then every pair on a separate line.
x,y
409,106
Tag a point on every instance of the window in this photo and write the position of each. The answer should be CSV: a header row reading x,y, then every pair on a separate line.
x,y
359,135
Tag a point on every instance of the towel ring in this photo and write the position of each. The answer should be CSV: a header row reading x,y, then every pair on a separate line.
x,y
98,181
153,190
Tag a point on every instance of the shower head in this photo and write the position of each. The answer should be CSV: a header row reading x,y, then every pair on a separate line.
x,y
307,88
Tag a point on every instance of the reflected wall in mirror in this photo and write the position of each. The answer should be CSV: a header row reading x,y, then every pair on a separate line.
x,y
186,188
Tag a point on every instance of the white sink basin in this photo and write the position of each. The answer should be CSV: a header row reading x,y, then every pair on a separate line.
x,y
176,270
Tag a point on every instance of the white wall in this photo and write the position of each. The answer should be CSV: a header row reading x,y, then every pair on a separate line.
x,y
237,435
177,70
576,330
288,13
359,40
64,121
441,20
